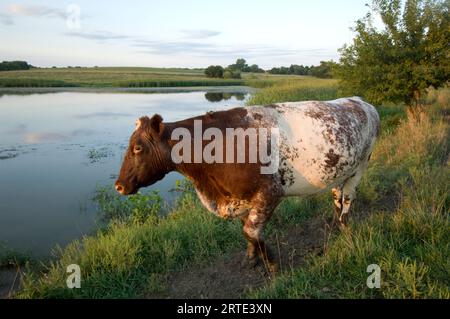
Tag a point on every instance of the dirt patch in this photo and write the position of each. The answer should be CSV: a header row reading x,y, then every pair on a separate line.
x,y
226,278
9,282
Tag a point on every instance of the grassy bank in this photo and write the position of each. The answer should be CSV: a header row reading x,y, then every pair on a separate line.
x,y
400,222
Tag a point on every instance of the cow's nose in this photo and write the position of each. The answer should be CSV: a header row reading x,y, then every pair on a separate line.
x,y
119,188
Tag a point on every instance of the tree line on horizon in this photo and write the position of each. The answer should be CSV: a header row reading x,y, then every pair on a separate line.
x,y
14,65
233,71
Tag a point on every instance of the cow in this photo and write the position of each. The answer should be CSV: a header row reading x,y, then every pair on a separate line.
x,y
321,146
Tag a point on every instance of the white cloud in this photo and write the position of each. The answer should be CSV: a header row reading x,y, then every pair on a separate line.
x,y
200,34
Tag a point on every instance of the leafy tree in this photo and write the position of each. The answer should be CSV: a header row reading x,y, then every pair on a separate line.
x,y
214,71
397,63
254,68
231,74
14,65
240,65
324,70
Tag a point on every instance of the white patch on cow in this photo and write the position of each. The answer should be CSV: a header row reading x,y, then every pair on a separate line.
x,y
210,205
308,142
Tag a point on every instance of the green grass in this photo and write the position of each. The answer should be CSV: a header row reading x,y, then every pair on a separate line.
x,y
300,89
401,224
11,258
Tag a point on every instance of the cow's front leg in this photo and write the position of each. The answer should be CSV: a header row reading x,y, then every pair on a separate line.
x,y
253,229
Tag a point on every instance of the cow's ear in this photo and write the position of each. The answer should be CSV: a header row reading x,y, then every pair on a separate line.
x,y
156,125
142,122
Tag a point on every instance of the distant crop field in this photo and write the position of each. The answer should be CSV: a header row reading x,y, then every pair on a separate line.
x,y
131,77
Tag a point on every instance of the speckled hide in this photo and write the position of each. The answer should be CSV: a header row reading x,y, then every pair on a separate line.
x,y
322,143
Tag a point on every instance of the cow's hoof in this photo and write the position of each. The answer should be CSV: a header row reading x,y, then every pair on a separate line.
x,y
249,263
272,268
342,222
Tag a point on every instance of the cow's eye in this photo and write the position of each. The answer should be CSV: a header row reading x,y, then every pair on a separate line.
x,y
137,149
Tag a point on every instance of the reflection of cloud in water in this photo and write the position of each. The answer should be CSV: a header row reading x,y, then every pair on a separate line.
x,y
44,137
102,114
18,129
39,137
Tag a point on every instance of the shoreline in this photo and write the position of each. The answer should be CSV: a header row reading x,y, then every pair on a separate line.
x,y
187,89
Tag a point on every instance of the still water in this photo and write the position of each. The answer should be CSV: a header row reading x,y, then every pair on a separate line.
x,y
56,149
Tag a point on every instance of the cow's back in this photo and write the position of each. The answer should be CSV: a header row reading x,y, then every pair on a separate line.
x,y
322,143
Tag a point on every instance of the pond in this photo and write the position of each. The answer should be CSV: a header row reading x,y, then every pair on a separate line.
x,y
57,149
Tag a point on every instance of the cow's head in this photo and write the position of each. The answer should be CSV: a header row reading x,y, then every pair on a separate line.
x,y
146,160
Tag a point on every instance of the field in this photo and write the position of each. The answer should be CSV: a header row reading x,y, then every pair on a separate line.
x,y
137,77
400,221
109,77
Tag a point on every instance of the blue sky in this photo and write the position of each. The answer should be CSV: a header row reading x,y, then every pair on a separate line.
x,y
176,33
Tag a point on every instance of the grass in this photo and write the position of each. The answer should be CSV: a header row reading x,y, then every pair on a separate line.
x,y
301,89
11,258
400,222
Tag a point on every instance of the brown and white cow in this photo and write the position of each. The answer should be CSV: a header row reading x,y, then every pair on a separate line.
x,y
322,146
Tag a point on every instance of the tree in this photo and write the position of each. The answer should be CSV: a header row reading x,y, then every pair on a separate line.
x,y
14,65
231,74
240,65
254,68
214,71
324,70
399,62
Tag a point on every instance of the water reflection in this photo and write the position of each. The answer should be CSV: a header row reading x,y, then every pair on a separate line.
x,y
223,96
57,148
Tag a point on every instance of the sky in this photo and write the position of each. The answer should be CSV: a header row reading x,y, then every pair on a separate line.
x,y
176,33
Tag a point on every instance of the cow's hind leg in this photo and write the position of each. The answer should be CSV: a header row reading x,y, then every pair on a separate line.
x,y
253,229
349,192
337,199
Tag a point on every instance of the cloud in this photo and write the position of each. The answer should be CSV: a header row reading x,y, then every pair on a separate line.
x,y
37,11
98,35
171,47
202,49
6,19
200,34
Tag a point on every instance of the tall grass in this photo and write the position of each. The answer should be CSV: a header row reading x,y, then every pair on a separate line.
x,y
303,89
178,83
10,83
